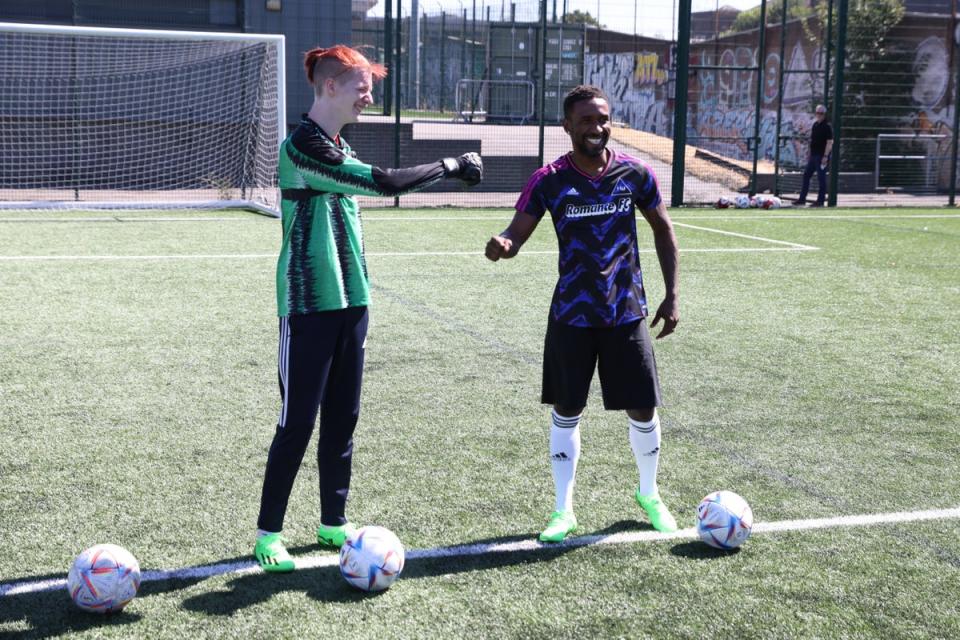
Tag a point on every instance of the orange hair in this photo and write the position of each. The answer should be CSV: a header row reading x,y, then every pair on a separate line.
x,y
323,63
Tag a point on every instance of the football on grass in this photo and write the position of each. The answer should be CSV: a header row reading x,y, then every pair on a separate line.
x,y
371,559
724,520
103,579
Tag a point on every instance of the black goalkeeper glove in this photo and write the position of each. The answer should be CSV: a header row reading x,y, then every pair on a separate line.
x,y
468,167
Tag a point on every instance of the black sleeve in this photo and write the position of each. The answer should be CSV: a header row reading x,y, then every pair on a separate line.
x,y
327,168
397,181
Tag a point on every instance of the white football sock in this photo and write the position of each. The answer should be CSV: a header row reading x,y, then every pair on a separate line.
x,y
261,533
564,454
645,442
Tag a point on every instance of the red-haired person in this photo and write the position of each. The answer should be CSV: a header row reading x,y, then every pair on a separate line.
x,y
323,291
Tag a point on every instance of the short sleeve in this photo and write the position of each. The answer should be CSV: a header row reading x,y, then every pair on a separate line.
x,y
648,195
532,199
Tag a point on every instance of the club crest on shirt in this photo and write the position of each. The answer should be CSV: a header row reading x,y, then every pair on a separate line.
x,y
621,187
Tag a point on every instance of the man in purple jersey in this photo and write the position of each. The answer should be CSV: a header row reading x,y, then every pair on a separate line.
x,y
599,306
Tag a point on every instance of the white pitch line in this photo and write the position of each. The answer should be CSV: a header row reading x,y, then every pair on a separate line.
x,y
628,537
138,219
372,254
795,245
506,217
797,216
677,215
199,256
553,252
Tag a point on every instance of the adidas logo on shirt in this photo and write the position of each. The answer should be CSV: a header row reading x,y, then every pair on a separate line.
x,y
573,192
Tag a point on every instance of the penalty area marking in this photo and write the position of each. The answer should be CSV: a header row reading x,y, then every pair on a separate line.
x,y
627,537
793,245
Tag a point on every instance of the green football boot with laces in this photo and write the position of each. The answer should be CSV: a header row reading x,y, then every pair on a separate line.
x,y
334,536
658,513
561,524
272,555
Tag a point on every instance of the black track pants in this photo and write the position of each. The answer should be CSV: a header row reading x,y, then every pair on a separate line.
x,y
320,370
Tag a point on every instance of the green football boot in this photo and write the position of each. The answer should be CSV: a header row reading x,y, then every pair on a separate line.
x,y
658,513
272,555
334,536
561,524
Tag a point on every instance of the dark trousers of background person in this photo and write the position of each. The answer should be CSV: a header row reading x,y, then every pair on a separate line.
x,y
815,163
320,367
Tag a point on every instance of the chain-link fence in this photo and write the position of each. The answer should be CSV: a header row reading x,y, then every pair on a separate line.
x,y
490,76
718,99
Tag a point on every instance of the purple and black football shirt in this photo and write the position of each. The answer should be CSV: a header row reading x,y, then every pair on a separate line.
x,y
600,282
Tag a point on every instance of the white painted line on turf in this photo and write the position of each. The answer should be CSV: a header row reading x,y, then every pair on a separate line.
x,y
507,217
795,245
797,216
372,254
857,521
554,252
741,249
198,256
626,537
677,215
139,219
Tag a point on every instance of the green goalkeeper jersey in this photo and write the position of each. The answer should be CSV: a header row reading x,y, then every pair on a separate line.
x,y
322,265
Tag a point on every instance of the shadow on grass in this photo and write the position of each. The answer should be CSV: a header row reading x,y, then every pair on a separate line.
x,y
325,584
49,613
697,550
44,614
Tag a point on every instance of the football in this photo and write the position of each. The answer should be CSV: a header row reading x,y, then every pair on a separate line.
x,y
769,202
723,203
371,559
743,201
724,520
103,579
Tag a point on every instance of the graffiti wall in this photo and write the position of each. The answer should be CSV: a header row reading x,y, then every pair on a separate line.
x,y
637,86
722,102
934,109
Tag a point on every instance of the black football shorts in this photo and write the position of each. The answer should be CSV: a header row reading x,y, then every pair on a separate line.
x,y
628,369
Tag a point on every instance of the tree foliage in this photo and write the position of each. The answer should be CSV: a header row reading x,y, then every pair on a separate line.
x,y
750,19
878,77
581,17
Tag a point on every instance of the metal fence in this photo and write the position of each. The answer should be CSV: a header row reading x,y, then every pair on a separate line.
x,y
717,100
490,76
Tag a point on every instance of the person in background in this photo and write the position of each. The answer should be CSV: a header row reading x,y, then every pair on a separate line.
x,y
821,143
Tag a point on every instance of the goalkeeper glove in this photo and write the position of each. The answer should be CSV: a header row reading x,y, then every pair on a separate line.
x,y
468,167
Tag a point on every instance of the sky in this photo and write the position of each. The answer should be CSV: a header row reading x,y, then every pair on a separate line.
x,y
655,18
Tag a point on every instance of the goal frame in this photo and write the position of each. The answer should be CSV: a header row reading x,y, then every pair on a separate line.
x,y
276,40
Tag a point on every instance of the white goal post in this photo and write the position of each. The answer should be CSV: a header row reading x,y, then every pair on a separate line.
x,y
138,118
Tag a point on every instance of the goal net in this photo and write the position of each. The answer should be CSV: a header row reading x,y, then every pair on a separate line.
x,y
132,118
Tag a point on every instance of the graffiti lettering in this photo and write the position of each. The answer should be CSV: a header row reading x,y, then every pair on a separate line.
x,y
647,71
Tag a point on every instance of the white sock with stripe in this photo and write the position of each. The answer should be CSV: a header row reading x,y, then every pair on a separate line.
x,y
564,454
645,443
